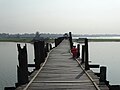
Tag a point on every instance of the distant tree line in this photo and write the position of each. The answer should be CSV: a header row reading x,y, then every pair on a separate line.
x,y
7,35
48,35
32,35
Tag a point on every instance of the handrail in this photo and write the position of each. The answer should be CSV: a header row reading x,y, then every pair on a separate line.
x,y
37,72
94,83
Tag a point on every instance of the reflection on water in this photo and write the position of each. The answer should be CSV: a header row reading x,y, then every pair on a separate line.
x,y
107,54
8,62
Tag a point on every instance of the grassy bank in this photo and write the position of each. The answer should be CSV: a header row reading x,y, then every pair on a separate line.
x,y
26,40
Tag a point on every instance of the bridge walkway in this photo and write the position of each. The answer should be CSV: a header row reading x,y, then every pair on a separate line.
x,y
60,72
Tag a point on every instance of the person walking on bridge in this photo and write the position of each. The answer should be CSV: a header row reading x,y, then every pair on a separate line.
x,y
74,51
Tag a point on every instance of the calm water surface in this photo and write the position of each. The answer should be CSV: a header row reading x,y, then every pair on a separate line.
x,y
107,54
103,53
9,61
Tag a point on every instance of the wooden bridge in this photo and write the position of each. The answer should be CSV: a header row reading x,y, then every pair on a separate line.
x,y
61,72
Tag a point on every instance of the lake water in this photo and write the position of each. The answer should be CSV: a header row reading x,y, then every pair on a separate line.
x,y
103,53
8,62
107,54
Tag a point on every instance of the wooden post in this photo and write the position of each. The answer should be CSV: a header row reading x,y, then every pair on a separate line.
x,y
78,47
102,74
42,51
86,55
47,47
45,51
59,40
114,87
83,51
70,39
56,42
50,46
37,55
39,52
22,69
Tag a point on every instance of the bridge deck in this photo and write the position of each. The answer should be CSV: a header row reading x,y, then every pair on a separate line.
x,y
61,72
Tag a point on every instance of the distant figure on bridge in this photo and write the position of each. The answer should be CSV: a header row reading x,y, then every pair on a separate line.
x,y
74,51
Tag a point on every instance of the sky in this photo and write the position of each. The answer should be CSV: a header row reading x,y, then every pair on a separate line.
x,y
60,16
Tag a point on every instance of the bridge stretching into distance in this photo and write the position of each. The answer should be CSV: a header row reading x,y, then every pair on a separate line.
x,y
59,71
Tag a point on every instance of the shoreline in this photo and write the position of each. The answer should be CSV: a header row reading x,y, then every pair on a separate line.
x,y
15,40
97,40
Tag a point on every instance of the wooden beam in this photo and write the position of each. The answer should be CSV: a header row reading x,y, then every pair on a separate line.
x,y
94,66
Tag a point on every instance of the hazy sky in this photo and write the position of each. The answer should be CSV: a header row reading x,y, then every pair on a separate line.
x,y
60,16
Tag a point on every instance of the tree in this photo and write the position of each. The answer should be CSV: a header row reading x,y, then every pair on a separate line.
x,y
37,35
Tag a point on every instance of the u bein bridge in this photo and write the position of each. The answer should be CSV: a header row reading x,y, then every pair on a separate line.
x,y
55,69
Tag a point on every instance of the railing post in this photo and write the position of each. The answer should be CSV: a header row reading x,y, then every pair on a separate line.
x,y
46,50
50,46
103,74
70,39
56,42
22,69
83,52
86,55
39,52
78,48
47,47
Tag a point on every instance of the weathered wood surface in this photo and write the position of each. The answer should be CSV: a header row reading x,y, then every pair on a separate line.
x,y
61,72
